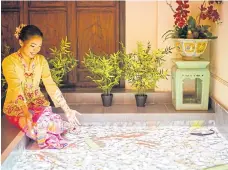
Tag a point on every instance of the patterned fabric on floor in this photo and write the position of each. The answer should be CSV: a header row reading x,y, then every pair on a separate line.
x,y
131,146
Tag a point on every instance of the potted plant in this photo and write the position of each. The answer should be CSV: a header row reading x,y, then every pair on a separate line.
x,y
105,72
5,52
190,36
142,68
61,62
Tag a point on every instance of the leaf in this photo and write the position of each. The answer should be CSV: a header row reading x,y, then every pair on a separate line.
x,y
62,61
192,22
105,69
142,67
169,31
206,27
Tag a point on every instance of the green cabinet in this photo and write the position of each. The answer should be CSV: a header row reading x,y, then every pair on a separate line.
x,y
190,85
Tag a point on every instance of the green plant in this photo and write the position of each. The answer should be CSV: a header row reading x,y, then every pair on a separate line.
x,y
105,70
142,68
5,52
61,62
188,27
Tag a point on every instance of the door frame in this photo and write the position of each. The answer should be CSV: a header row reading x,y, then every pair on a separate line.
x,y
122,19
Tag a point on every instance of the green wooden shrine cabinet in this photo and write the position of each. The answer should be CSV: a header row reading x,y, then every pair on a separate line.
x,y
190,85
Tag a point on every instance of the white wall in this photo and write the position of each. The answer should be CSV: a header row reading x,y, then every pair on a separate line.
x,y
219,60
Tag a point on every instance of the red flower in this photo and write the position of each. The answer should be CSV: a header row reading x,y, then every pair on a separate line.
x,y
186,6
179,2
203,16
184,22
202,8
181,13
210,13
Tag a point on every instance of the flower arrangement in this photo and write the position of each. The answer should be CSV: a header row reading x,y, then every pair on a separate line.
x,y
188,27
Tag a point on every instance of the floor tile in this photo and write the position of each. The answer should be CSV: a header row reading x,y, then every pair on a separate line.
x,y
131,145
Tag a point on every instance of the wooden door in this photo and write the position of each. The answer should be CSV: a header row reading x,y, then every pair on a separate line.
x,y
88,25
10,19
97,28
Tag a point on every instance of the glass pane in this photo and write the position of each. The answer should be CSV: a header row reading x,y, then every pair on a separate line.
x,y
192,91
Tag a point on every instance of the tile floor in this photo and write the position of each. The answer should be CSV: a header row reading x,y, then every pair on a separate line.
x,y
131,146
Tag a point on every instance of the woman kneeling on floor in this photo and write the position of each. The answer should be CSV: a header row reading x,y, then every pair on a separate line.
x,y
25,105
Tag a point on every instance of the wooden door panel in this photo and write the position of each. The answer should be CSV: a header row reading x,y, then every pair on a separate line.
x,y
97,29
82,77
53,25
10,4
47,4
96,3
10,20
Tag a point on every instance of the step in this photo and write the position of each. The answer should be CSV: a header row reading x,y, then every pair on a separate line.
x,y
130,113
130,109
120,96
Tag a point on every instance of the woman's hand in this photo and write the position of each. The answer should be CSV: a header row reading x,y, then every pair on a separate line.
x,y
72,117
28,117
29,123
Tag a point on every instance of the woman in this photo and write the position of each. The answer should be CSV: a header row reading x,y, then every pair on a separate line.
x,y
25,105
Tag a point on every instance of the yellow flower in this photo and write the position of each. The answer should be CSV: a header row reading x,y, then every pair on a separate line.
x,y
18,30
